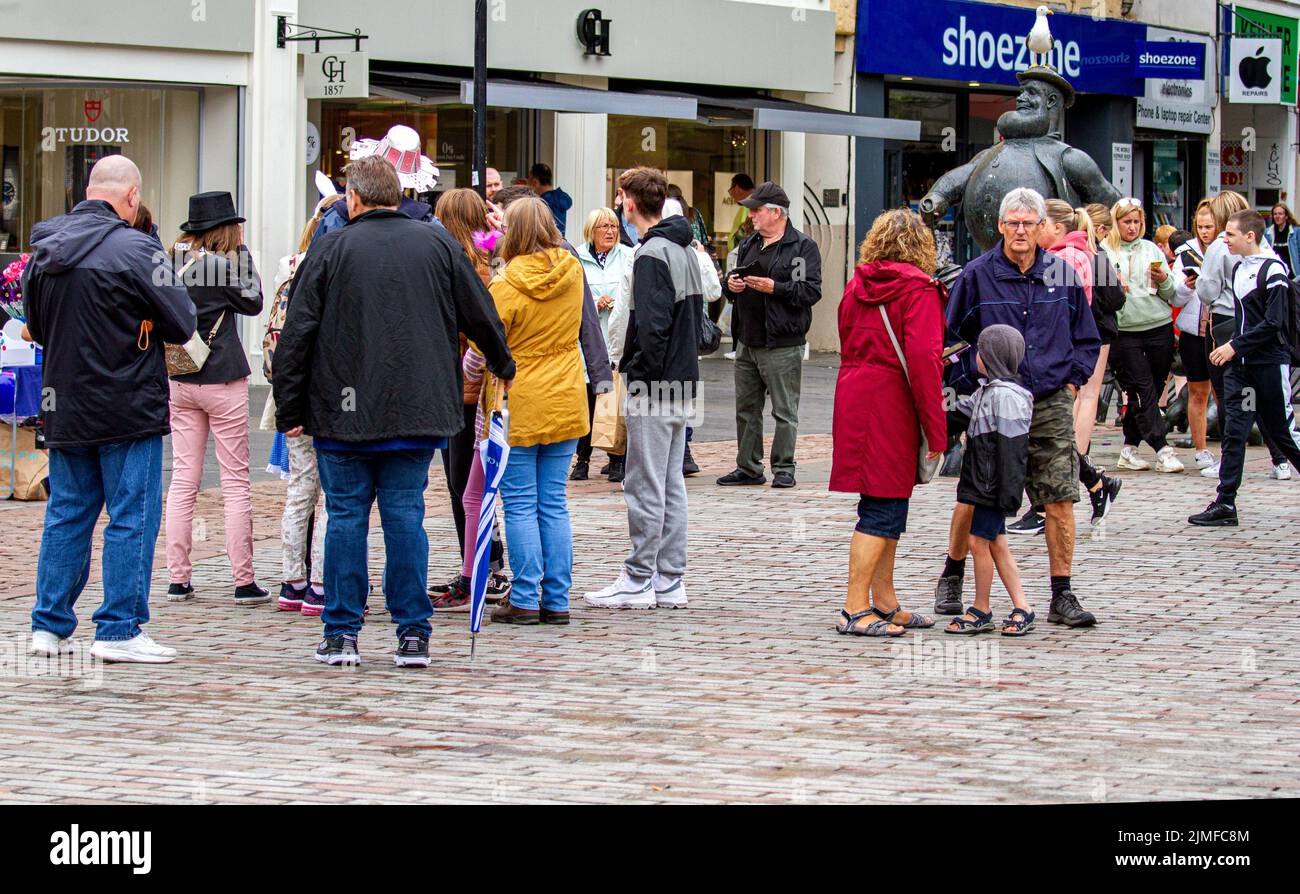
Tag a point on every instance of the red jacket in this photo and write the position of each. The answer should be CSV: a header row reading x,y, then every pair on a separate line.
x,y
878,418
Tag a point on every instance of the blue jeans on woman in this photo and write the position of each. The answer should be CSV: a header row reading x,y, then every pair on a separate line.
x,y
125,477
353,481
538,536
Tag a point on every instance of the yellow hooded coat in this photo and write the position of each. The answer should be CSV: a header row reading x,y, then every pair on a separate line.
x,y
539,299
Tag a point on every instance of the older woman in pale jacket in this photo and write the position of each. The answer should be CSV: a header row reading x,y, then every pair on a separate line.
x,y
604,261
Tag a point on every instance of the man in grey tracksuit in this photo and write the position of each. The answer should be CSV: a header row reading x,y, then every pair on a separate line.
x,y
661,362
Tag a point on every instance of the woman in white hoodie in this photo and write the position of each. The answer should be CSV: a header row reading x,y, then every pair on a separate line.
x,y
1193,326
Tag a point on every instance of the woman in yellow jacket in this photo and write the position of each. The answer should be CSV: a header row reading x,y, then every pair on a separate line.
x,y
539,298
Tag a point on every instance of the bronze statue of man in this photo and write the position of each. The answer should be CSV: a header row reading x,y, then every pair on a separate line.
x,y
1031,154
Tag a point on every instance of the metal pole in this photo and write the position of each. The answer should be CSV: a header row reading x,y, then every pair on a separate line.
x,y
479,175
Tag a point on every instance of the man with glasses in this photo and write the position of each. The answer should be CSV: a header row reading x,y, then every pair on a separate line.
x,y
1018,284
775,285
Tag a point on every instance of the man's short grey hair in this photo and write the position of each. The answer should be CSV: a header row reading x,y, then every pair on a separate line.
x,y
1022,199
375,182
785,212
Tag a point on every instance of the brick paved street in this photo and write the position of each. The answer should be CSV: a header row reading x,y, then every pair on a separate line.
x,y
1187,689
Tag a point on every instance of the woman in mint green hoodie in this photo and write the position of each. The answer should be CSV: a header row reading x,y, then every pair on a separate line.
x,y
1143,351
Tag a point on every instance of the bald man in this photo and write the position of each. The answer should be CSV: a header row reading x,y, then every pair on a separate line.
x,y
491,183
101,298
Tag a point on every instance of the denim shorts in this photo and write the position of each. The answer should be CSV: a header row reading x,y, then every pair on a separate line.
x,y
882,516
987,523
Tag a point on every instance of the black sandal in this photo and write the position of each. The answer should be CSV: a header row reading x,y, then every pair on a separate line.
x,y
983,622
848,624
1018,623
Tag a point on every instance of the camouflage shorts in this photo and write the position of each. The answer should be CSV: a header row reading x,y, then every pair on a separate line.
x,y
1053,474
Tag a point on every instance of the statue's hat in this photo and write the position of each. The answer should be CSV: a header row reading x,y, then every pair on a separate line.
x,y
1048,75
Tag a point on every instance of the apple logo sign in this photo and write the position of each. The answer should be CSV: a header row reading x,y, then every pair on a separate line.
x,y
1253,71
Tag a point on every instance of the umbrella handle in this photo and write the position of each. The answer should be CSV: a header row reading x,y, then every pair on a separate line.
x,y
500,401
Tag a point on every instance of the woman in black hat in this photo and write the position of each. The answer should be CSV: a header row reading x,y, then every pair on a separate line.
x,y
217,269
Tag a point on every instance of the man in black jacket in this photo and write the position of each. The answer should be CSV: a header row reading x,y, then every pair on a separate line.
x,y
368,365
101,297
770,321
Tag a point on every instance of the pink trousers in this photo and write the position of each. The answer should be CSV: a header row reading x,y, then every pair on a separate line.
x,y
473,502
196,410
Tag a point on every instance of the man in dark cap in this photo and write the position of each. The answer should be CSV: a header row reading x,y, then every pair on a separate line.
x,y
777,280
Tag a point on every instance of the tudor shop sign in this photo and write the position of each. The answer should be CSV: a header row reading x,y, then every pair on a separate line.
x,y
93,132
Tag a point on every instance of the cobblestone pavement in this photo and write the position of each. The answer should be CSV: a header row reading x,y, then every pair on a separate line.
x,y
1187,689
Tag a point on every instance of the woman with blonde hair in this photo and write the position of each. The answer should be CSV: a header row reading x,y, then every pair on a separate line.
x,y
893,304
1214,290
217,270
604,259
1143,352
539,297
1193,326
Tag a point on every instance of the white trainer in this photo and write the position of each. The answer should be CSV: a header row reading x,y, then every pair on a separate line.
x,y
623,593
1282,472
672,596
139,649
1210,471
49,645
1205,459
1168,461
1130,461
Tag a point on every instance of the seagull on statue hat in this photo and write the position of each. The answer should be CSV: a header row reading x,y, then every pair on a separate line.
x,y
400,147
1040,36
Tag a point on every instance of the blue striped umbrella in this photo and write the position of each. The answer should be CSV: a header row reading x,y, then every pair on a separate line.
x,y
494,451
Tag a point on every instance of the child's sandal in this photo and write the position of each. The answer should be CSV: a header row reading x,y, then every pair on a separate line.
x,y
1018,623
983,621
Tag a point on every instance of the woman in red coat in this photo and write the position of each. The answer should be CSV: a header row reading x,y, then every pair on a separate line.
x,y
879,416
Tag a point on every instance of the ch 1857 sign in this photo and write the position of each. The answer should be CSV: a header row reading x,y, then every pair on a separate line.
x,y
336,75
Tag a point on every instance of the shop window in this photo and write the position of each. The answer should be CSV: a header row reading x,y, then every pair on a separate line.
x,y
698,158
50,138
913,167
446,131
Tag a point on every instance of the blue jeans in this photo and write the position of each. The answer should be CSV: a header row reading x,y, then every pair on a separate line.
x,y
352,481
125,477
538,536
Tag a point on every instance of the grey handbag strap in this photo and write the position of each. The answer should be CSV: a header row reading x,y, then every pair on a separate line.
x,y
893,338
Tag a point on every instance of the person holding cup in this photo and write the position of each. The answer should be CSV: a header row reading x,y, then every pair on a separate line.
x,y
1143,351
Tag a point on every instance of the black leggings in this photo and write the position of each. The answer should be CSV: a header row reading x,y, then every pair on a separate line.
x,y
1142,361
584,443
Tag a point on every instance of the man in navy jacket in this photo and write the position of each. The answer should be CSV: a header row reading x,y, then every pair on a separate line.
x,y
101,297
1018,284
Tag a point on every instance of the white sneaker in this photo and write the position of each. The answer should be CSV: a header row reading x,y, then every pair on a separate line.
x,y
730,355
1204,459
672,596
49,645
139,649
1210,471
1168,461
1282,472
623,593
1129,460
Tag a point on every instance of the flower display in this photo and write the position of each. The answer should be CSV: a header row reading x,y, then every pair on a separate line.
x,y
11,291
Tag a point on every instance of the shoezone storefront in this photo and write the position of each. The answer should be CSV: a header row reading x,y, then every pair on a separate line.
x,y
952,65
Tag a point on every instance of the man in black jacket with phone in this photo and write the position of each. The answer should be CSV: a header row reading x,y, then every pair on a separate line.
x,y
102,298
774,287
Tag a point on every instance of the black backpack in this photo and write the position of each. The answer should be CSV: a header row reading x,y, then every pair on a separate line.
x,y
1292,335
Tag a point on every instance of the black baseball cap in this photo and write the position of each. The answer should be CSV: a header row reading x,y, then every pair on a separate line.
x,y
767,193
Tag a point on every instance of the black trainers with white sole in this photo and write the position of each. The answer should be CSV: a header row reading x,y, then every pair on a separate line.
x,y
251,594
412,651
1103,498
336,650
180,592
1030,523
